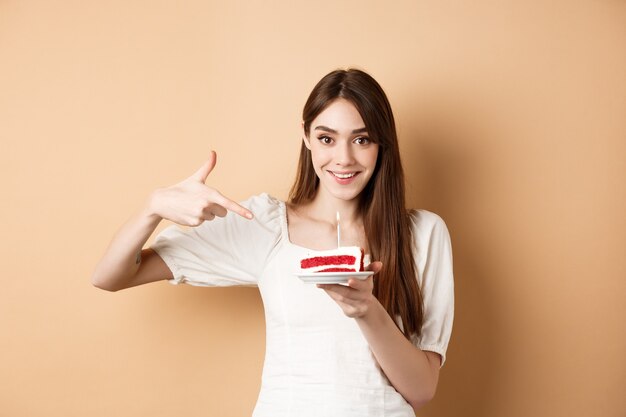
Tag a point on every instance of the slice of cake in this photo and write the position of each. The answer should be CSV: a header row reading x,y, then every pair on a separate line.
x,y
344,259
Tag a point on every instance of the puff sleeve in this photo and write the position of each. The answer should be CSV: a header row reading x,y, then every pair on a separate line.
x,y
225,251
433,258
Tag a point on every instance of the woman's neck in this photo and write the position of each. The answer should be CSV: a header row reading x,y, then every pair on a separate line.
x,y
314,224
325,207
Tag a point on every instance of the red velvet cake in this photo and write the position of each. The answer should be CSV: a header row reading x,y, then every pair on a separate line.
x,y
344,259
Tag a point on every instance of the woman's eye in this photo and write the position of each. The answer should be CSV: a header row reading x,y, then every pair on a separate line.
x,y
325,140
362,140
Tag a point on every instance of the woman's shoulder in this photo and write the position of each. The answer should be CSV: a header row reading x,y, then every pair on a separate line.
x,y
425,218
430,237
426,223
265,207
264,200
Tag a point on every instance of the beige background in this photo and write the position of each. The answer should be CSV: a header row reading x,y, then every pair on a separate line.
x,y
512,123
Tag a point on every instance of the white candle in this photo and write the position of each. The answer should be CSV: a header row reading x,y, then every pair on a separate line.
x,y
338,232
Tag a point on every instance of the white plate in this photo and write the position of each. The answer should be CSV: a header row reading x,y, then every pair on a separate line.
x,y
332,277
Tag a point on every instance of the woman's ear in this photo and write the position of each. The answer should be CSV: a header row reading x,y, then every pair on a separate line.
x,y
305,137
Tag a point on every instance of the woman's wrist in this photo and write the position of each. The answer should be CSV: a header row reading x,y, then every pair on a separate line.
x,y
150,209
374,314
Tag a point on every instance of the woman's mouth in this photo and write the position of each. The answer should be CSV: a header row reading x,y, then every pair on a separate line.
x,y
344,177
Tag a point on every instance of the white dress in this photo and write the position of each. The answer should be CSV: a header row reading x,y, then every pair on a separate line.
x,y
317,362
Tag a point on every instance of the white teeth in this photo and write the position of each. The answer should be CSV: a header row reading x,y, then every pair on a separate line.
x,y
344,176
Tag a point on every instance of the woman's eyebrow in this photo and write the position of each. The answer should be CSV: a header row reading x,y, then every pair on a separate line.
x,y
328,129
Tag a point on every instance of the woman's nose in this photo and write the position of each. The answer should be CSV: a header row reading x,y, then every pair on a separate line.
x,y
344,156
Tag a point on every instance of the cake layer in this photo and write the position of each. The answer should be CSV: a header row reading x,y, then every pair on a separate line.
x,y
344,259
328,260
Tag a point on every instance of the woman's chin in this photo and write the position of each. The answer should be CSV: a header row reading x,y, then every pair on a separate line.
x,y
344,195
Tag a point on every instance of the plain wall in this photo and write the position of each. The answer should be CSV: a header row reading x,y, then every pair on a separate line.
x,y
512,124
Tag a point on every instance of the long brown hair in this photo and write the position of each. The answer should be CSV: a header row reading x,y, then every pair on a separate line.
x,y
386,220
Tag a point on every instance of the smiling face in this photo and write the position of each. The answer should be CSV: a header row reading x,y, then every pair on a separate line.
x,y
343,156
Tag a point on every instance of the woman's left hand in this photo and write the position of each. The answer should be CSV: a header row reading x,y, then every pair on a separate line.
x,y
356,298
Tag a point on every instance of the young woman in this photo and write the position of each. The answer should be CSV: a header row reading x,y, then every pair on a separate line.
x,y
372,347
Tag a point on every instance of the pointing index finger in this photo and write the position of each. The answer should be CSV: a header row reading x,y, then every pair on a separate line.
x,y
229,204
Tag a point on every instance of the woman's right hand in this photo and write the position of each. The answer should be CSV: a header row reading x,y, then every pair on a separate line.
x,y
191,201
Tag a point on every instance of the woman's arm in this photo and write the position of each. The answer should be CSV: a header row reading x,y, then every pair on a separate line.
x,y
188,203
124,263
414,373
